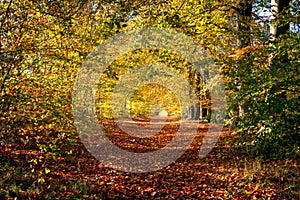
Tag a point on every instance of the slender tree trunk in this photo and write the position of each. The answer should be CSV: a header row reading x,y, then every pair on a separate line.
x,y
277,6
244,8
199,87
277,29
201,111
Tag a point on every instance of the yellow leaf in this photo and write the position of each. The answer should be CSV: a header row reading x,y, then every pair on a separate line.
x,y
47,170
257,186
42,180
102,183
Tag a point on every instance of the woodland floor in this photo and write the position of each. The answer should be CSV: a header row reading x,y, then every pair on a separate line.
x,y
220,175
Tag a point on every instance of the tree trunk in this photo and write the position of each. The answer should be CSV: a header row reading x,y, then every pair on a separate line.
x,y
276,29
244,8
277,6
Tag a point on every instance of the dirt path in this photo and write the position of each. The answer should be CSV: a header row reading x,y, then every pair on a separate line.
x,y
218,176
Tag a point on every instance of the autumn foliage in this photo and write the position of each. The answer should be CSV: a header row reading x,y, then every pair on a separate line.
x,y
42,46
